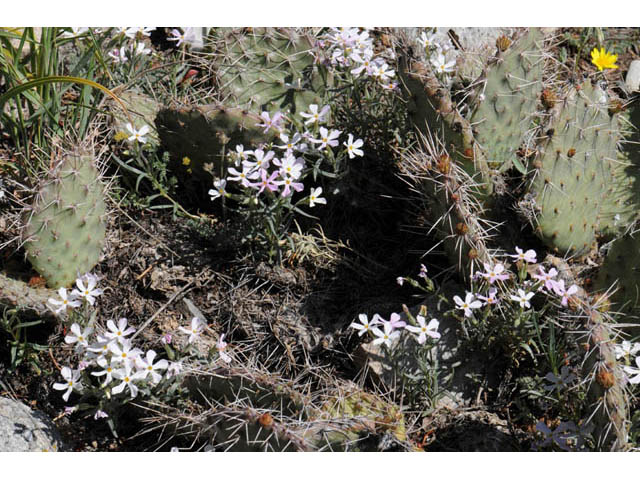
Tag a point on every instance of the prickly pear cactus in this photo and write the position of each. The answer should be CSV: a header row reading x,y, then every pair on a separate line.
x,y
507,103
467,169
268,69
606,381
64,229
575,174
252,410
367,413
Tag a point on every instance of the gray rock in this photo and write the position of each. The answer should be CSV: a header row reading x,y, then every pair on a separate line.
x,y
26,430
632,81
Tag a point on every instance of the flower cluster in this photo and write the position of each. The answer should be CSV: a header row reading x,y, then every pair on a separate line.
x,y
85,289
352,49
386,331
440,52
109,355
129,50
281,167
498,275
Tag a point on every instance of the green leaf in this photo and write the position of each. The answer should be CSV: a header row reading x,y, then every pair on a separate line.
x,y
519,166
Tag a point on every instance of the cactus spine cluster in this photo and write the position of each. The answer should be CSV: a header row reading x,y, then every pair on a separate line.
x,y
247,409
64,229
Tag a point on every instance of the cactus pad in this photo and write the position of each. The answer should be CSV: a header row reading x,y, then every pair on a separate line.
x,y
576,172
65,227
268,69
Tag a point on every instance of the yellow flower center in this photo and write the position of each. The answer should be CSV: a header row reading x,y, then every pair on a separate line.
x,y
70,383
127,379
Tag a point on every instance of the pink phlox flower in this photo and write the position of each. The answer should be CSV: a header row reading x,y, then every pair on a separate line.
x,y
327,138
262,159
291,144
365,325
634,371
241,154
386,336
529,256
563,292
315,116
423,329
364,62
395,321
491,299
67,301
72,382
107,371
128,377
290,166
353,148
546,277
148,367
626,349
561,381
289,183
423,271
120,331
383,73
522,298
124,352
197,327
118,55
266,182
100,414
81,337
495,273
269,122
89,292
468,304
243,176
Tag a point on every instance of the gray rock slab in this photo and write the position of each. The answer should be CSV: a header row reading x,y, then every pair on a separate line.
x,y
25,430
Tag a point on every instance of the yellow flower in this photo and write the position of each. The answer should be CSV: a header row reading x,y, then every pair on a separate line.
x,y
603,59
186,161
120,136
